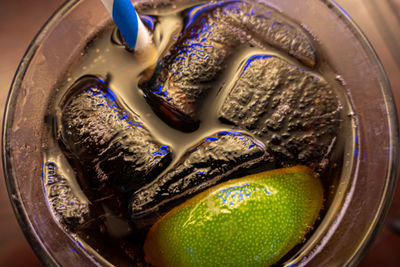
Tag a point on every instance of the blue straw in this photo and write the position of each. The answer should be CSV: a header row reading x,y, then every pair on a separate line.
x,y
127,20
125,17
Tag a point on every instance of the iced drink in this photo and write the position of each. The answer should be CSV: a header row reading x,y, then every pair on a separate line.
x,y
236,92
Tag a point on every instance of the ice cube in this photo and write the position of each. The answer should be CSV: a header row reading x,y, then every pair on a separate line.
x,y
67,206
214,158
293,111
108,139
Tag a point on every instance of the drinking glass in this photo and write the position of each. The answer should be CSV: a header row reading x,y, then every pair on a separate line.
x,y
367,180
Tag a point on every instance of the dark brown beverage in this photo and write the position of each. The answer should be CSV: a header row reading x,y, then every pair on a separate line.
x,y
238,89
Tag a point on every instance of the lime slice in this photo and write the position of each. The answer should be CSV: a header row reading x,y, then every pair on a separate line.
x,y
251,221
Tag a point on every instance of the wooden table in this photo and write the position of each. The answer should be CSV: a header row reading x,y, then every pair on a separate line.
x,y
21,19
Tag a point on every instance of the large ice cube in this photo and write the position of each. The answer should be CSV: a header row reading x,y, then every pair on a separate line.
x,y
293,111
108,139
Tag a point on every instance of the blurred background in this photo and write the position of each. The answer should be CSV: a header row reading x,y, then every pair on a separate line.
x,y
20,20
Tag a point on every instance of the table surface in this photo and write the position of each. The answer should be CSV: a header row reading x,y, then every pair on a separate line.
x,y
20,20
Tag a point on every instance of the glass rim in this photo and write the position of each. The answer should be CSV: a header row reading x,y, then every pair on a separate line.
x,y
393,124
15,198
392,169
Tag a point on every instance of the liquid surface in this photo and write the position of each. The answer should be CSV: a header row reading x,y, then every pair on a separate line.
x,y
92,202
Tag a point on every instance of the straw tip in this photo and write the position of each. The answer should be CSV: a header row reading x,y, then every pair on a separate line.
x,y
129,23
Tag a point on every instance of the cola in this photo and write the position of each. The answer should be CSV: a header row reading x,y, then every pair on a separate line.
x,y
237,89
